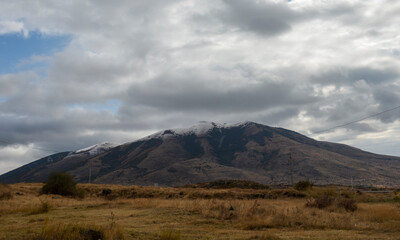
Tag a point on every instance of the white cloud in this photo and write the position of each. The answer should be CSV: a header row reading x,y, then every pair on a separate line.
x,y
13,156
7,27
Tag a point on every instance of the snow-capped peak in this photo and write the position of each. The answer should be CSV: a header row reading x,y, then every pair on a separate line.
x,y
97,148
200,129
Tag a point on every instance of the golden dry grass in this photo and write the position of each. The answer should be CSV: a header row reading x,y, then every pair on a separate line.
x,y
5,192
78,232
132,212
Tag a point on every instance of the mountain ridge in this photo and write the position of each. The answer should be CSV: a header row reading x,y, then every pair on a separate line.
x,y
209,151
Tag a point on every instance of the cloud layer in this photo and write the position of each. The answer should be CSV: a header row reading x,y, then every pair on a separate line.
x,y
137,67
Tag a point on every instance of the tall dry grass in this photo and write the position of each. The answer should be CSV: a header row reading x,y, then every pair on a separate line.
x,y
170,234
5,192
380,213
79,232
266,236
265,214
259,215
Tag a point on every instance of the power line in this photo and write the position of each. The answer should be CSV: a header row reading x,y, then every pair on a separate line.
x,y
355,121
318,132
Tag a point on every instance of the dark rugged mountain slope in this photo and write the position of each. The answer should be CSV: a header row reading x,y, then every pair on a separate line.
x,y
208,152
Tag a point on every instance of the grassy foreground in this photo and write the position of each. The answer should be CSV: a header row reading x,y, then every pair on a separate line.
x,y
131,212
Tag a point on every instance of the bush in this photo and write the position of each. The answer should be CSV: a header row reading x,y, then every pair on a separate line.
x,y
303,185
348,204
227,184
326,201
321,202
61,184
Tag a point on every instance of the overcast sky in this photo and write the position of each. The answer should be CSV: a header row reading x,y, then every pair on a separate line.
x,y
75,73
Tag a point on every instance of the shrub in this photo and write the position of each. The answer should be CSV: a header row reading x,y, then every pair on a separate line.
x,y
61,184
227,184
321,202
348,204
326,201
346,195
293,193
303,185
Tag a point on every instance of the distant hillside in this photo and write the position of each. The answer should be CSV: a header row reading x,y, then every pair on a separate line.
x,y
208,152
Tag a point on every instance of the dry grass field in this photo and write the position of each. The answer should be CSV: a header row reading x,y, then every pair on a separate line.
x,y
132,212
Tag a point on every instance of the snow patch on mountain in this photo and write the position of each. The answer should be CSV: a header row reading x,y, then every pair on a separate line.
x,y
96,149
200,129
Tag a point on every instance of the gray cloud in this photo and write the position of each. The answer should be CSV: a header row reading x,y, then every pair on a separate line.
x,y
265,18
358,92
387,96
302,65
188,92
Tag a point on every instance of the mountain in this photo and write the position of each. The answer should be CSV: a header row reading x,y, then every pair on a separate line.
x,y
210,151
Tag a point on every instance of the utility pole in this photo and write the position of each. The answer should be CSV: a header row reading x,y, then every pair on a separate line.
x,y
351,183
90,170
291,168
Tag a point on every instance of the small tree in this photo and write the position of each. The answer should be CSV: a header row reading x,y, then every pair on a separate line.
x,y
61,184
303,185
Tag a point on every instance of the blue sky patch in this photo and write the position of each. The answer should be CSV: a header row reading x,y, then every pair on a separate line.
x,y
15,49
